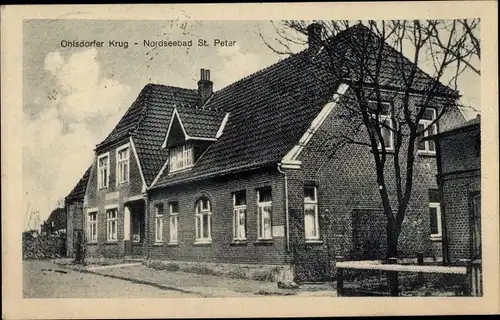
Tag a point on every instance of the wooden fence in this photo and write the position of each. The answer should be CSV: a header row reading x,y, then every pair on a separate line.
x,y
471,270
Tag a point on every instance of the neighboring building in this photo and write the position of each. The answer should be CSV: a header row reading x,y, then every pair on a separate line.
x,y
459,178
73,204
239,175
56,222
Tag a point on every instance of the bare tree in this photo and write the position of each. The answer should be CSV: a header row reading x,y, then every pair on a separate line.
x,y
32,220
369,58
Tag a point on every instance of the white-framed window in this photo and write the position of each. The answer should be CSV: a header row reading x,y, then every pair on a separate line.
x,y
103,171
429,127
311,219
92,226
174,222
181,157
239,215
264,213
159,222
203,220
112,224
122,164
435,214
385,123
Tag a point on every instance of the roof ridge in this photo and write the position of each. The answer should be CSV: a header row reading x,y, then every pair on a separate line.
x,y
359,27
149,85
259,72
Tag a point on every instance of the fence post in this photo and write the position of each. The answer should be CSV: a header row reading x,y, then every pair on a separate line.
x,y
468,278
420,275
392,277
340,277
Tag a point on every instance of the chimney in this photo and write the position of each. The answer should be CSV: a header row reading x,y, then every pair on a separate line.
x,y
314,36
205,87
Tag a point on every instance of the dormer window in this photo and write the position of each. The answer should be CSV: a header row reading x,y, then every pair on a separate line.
x,y
181,157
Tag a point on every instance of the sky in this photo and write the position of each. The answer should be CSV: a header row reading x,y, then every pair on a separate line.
x,y
73,97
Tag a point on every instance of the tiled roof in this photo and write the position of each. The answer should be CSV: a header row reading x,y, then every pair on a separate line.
x,y
202,123
78,191
146,121
272,108
150,133
394,69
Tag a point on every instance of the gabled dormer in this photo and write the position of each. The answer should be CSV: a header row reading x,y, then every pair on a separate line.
x,y
190,132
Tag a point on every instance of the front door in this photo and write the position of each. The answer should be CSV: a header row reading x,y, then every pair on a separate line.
x,y
134,230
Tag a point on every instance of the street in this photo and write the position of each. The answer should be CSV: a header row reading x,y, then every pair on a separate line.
x,y
44,279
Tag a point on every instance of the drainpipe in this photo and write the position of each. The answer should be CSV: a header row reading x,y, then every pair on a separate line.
x,y
440,181
287,224
146,225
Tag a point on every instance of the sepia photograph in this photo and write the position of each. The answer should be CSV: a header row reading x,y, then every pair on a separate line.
x,y
254,158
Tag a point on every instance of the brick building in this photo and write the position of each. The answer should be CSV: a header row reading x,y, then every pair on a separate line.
x,y
56,222
459,178
73,204
241,175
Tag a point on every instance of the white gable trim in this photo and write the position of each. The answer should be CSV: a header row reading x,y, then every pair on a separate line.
x,y
159,173
200,138
174,114
291,157
222,126
132,145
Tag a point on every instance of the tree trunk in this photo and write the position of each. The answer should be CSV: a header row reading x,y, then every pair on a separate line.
x,y
392,252
392,239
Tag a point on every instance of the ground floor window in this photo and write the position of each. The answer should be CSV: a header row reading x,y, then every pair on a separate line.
x,y
203,220
92,227
159,222
174,221
311,219
112,224
239,215
435,214
264,212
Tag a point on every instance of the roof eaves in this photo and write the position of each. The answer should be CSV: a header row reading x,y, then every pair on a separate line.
x,y
223,172
463,128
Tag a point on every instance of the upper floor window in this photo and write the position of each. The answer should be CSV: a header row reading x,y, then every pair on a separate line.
x,y
384,122
122,164
311,219
203,220
239,215
264,213
181,157
103,171
428,126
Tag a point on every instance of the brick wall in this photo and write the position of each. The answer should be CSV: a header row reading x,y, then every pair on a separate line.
x,y
74,221
220,192
461,167
113,195
346,181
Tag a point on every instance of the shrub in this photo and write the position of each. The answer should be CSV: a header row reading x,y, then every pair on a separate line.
x,y
198,270
171,267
